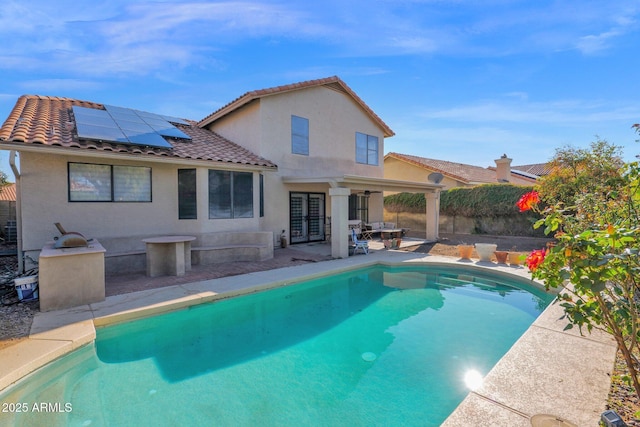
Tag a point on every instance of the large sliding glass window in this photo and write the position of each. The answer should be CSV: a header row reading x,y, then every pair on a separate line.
x,y
187,201
108,183
230,194
366,149
299,135
131,184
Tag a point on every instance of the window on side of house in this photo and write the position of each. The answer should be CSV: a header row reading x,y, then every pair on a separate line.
x,y
230,194
299,135
261,195
108,183
366,149
187,201
359,207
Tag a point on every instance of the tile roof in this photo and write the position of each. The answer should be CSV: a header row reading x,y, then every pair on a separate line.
x,y
539,169
44,120
8,193
467,174
334,83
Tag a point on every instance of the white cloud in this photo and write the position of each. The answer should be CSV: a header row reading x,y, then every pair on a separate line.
x,y
53,86
592,44
621,22
562,112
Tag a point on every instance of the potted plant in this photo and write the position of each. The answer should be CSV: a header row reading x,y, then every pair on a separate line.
x,y
501,256
485,250
514,257
465,250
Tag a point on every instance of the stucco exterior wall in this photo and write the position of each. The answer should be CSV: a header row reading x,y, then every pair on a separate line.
x,y
264,126
243,127
45,202
334,118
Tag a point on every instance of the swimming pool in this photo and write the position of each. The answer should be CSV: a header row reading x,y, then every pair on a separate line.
x,y
376,346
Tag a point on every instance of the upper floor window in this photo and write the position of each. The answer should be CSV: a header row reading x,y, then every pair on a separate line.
x,y
366,149
230,194
299,135
109,183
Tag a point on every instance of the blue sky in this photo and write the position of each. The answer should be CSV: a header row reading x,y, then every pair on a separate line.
x,y
459,80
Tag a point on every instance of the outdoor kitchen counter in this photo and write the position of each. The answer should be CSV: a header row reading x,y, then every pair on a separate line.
x,y
168,255
70,277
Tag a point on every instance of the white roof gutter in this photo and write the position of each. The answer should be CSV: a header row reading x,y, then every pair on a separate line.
x,y
16,173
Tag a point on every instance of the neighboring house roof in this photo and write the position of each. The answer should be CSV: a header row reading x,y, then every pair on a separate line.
x,y
334,83
8,193
48,121
467,174
538,169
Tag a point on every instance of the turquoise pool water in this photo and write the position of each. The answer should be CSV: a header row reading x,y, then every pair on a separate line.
x,y
378,346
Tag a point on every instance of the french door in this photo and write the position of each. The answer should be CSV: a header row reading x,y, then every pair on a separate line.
x,y
306,216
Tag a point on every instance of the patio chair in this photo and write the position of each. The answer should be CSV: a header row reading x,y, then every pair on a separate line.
x,y
360,244
367,232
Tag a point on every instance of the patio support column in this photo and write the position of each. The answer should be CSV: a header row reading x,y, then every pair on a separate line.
x,y
339,221
433,214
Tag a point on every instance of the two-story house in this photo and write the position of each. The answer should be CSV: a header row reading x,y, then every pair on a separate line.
x,y
300,158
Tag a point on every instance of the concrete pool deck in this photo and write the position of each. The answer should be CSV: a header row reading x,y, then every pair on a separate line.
x,y
547,371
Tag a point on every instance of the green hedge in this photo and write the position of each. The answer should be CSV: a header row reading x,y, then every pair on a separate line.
x,y
489,200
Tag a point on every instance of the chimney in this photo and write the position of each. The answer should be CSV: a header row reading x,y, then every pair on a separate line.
x,y
503,168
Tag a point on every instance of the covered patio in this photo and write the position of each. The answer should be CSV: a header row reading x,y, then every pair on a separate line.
x,y
341,187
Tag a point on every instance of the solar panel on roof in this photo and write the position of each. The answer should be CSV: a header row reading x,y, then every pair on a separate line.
x,y
150,139
101,133
105,121
126,126
89,111
161,124
170,119
174,120
139,126
172,132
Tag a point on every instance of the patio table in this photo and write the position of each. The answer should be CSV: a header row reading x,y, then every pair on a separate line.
x,y
168,255
386,233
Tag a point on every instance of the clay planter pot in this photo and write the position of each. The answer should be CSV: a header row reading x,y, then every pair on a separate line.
x,y
501,256
465,251
485,250
514,258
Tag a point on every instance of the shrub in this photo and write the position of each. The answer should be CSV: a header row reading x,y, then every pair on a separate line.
x,y
489,200
595,217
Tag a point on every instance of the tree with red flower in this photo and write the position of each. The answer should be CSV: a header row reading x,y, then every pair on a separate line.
x,y
528,201
592,207
535,258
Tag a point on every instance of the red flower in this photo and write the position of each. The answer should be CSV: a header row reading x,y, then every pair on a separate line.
x,y
528,201
535,258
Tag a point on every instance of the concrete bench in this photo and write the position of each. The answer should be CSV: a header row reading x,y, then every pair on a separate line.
x,y
126,255
221,247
